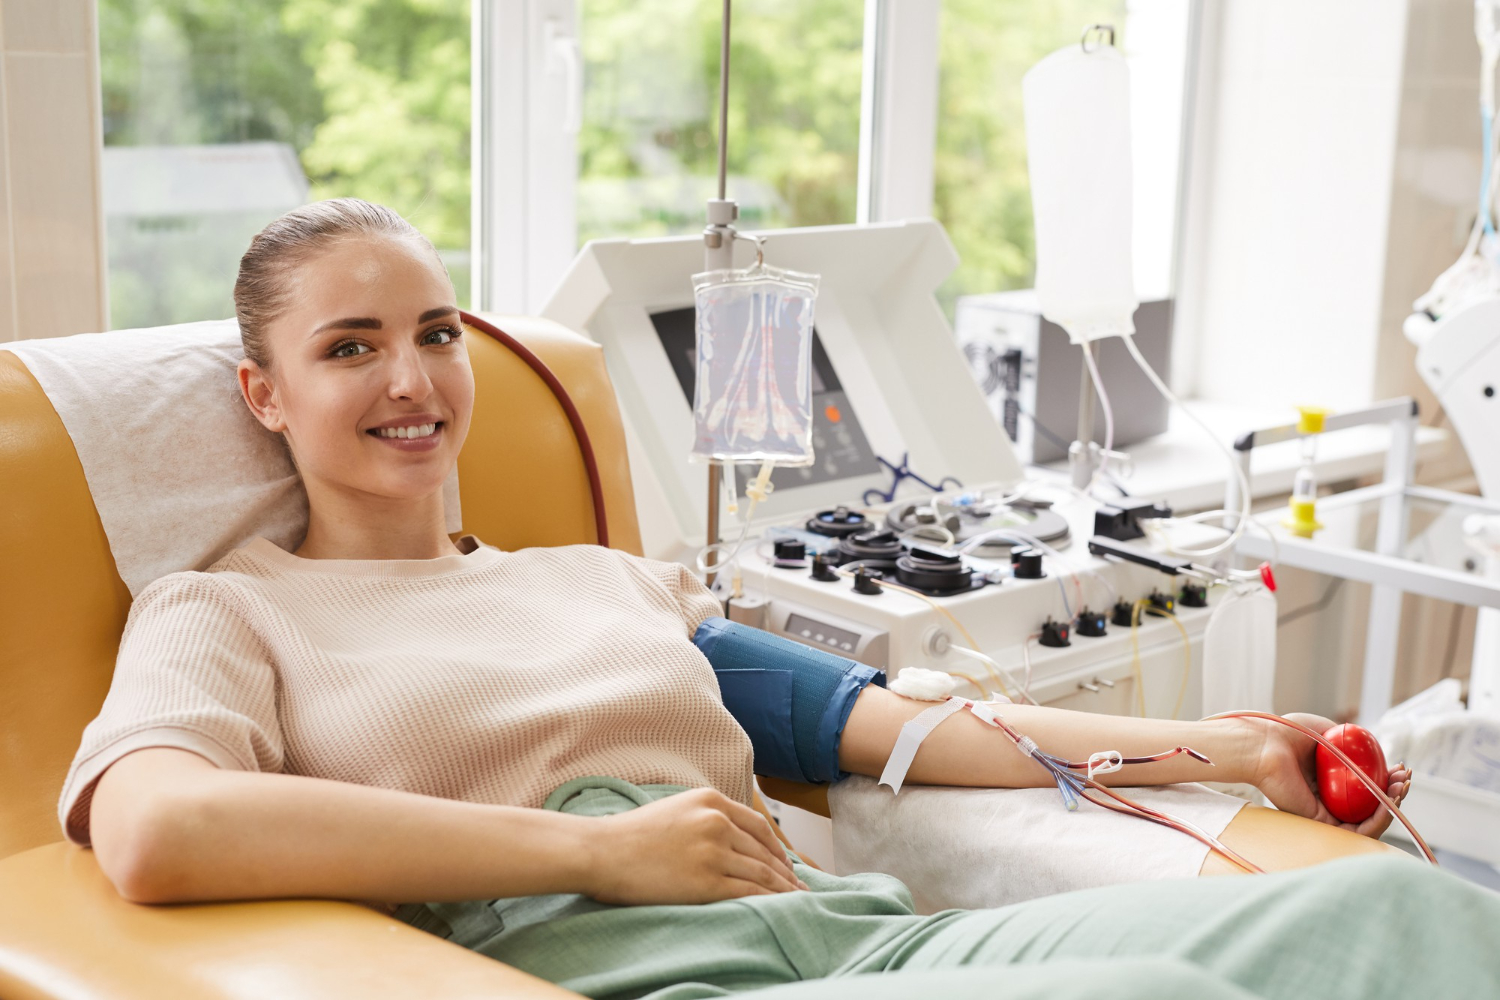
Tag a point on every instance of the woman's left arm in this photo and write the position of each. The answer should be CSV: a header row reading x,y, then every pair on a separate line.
x,y
965,751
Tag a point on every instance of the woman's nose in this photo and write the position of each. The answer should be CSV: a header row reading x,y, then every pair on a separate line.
x,y
408,376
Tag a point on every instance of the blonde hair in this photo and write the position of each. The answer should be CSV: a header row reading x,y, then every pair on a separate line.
x,y
263,287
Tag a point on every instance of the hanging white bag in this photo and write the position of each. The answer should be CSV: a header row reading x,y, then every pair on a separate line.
x,y
1077,107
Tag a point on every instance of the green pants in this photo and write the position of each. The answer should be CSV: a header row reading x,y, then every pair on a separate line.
x,y
1363,927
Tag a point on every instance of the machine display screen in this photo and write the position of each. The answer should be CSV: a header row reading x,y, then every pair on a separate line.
x,y
839,447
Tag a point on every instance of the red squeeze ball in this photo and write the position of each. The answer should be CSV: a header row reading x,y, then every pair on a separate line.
x,y
1341,791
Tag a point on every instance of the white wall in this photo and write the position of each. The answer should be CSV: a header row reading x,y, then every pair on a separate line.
x,y
52,262
1289,199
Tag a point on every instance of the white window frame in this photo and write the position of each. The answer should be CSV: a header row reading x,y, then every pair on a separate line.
x,y
525,165
526,90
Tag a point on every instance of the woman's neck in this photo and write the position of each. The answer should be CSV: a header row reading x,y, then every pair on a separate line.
x,y
344,527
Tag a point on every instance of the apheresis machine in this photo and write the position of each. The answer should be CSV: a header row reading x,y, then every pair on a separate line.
x,y
805,431
913,537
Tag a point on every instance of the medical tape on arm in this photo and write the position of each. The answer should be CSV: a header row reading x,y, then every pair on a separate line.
x,y
916,729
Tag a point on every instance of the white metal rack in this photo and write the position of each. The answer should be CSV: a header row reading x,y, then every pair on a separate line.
x,y
1450,814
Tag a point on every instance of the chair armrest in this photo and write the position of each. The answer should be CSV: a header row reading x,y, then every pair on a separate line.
x,y
66,933
1277,841
813,798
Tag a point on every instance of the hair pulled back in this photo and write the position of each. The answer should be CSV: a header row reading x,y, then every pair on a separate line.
x,y
263,287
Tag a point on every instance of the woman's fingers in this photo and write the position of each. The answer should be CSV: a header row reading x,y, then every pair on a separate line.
x,y
753,851
758,873
757,826
1376,824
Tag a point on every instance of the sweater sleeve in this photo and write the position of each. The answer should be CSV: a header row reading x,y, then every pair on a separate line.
x,y
192,674
694,600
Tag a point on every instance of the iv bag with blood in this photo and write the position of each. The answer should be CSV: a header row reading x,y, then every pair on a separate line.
x,y
752,399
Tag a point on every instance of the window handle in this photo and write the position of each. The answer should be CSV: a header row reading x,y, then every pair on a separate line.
x,y
564,57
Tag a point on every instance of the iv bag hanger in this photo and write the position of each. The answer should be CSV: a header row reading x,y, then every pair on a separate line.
x,y
1103,29
718,252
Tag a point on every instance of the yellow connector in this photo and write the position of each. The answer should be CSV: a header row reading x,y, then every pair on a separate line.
x,y
1301,519
1310,419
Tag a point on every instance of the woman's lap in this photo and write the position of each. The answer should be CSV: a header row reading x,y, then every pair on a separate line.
x,y
1369,927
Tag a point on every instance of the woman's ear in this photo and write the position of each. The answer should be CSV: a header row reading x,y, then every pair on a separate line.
x,y
260,395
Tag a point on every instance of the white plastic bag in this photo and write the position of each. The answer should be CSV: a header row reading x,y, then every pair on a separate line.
x,y
1239,653
1077,107
753,396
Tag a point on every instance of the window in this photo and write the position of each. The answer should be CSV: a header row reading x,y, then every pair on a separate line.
x,y
599,118
981,191
220,115
648,146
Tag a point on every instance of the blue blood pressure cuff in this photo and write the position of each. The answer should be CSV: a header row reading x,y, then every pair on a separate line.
x,y
793,700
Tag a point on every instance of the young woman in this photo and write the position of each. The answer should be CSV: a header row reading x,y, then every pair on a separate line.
x,y
530,743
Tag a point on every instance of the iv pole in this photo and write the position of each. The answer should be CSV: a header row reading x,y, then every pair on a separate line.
x,y
718,254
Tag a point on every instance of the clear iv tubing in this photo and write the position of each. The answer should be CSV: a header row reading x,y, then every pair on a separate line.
x,y
756,492
1487,126
1154,531
995,670
1109,413
1343,758
1244,513
995,667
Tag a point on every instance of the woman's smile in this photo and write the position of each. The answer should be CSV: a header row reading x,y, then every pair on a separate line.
x,y
414,437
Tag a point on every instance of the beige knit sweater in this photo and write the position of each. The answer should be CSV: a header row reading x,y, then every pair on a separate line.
x,y
486,677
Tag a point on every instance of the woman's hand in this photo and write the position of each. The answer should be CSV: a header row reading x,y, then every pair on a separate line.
x,y
1286,772
697,846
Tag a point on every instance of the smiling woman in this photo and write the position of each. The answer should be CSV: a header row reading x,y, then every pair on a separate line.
x,y
373,398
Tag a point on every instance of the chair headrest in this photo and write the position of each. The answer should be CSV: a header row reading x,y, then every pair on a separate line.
x,y
180,471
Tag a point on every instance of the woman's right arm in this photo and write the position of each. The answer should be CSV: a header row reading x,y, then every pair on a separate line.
x,y
168,826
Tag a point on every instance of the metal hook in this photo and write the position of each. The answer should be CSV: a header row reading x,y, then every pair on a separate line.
x,y
1083,40
760,245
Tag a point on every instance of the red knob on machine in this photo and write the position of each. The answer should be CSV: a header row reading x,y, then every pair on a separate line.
x,y
1341,791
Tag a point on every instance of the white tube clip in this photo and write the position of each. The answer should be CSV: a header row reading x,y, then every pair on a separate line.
x,y
1105,762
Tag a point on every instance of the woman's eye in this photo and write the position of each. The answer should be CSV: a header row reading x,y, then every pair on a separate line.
x,y
347,349
449,333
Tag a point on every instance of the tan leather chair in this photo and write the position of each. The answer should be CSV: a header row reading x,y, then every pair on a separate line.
x,y
65,932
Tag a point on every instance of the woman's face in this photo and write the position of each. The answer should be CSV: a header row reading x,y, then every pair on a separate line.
x,y
372,341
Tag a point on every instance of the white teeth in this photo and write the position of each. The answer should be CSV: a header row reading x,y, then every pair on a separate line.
x,y
417,431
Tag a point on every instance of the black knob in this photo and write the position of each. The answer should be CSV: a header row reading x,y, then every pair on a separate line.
x,y
1163,602
1026,564
823,568
1194,595
1054,634
790,553
837,523
864,580
1120,616
1090,623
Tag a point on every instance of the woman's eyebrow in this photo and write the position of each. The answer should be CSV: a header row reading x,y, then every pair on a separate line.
x,y
371,323
358,323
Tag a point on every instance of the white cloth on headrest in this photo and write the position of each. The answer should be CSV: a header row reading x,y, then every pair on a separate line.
x,y
181,472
